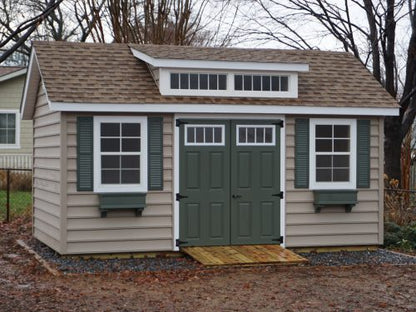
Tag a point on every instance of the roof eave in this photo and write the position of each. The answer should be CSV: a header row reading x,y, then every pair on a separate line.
x,y
223,109
219,65
13,74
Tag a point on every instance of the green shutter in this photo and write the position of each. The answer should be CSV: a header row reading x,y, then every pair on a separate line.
x,y
363,153
85,154
301,153
155,153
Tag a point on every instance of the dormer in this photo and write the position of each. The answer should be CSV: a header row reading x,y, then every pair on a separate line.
x,y
190,75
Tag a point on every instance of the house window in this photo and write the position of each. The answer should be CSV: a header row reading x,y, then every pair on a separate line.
x,y
198,81
255,135
120,153
204,135
332,154
9,129
261,83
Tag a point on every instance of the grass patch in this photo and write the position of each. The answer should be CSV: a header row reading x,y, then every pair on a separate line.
x,y
20,203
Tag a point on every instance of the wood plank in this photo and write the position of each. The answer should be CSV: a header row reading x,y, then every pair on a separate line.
x,y
243,255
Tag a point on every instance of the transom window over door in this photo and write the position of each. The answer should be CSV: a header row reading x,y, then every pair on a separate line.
x,y
204,135
256,135
332,154
120,152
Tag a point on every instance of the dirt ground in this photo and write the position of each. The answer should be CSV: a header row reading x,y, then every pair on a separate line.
x,y
26,286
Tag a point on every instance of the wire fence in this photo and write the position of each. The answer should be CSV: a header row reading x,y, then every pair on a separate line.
x,y
15,193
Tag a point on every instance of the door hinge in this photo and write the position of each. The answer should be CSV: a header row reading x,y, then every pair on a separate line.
x,y
180,122
280,194
180,242
280,123
279,240
179,196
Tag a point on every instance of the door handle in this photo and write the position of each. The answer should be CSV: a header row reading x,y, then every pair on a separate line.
x,y
236,196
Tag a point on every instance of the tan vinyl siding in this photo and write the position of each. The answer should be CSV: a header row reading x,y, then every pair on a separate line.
x,y
10,96
332,226
120,231
47,190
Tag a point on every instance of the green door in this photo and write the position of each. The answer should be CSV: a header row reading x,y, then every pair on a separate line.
x,y
204,214
229,182
255,183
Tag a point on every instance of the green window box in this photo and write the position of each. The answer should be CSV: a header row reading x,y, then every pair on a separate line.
x,y
327,198
122,201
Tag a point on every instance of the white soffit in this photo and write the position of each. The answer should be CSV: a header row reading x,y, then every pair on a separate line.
x,y
223,65
223,109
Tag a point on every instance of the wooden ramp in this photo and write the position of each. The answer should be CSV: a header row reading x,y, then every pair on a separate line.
x,y
243,255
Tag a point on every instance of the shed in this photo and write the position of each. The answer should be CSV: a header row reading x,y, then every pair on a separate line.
x,y
142,148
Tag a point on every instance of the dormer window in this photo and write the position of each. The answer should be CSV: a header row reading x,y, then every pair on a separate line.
x,y
198,81
261,83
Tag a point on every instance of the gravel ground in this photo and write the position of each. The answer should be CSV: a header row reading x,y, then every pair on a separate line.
x,y
80,265
380,256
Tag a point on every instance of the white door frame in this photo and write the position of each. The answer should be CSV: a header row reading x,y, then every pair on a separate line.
x,y
176,169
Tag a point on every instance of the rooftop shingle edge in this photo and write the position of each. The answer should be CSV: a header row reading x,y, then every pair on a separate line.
x,y
109,73
5,70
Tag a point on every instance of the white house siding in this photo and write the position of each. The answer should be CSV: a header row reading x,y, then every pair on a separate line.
x,y
47,188
120,231
10,97
333,226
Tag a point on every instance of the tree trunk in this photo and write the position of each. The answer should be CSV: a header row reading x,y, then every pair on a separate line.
x,y
392,147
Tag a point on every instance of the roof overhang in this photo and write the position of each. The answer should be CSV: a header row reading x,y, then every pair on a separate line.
x,y
30,90
223,109
12,75
219,65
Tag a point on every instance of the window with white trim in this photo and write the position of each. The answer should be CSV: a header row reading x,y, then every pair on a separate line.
x,y
9,129
332,154
256,135
198,81
120,154
261,83
204,135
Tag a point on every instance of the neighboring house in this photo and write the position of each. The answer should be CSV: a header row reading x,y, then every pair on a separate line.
x,y
15,135
149,148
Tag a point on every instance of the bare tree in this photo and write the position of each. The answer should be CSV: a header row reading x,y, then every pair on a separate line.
x,y
372,40
17,36
179,22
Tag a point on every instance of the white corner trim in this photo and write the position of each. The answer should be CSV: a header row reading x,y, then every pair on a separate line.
x,y
223,109
227,65
14,74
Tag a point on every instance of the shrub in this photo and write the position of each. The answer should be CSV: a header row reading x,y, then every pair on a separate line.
x,y
403,237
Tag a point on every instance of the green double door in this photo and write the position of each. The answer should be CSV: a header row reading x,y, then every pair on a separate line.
x,y
229,190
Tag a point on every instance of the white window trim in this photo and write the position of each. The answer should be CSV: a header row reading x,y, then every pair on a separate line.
x,y
222,143
17,132
164,84
352,184
119,188
273,127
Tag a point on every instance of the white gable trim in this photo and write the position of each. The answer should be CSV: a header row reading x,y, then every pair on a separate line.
x,y
224,65
30,88
223,109
14,74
